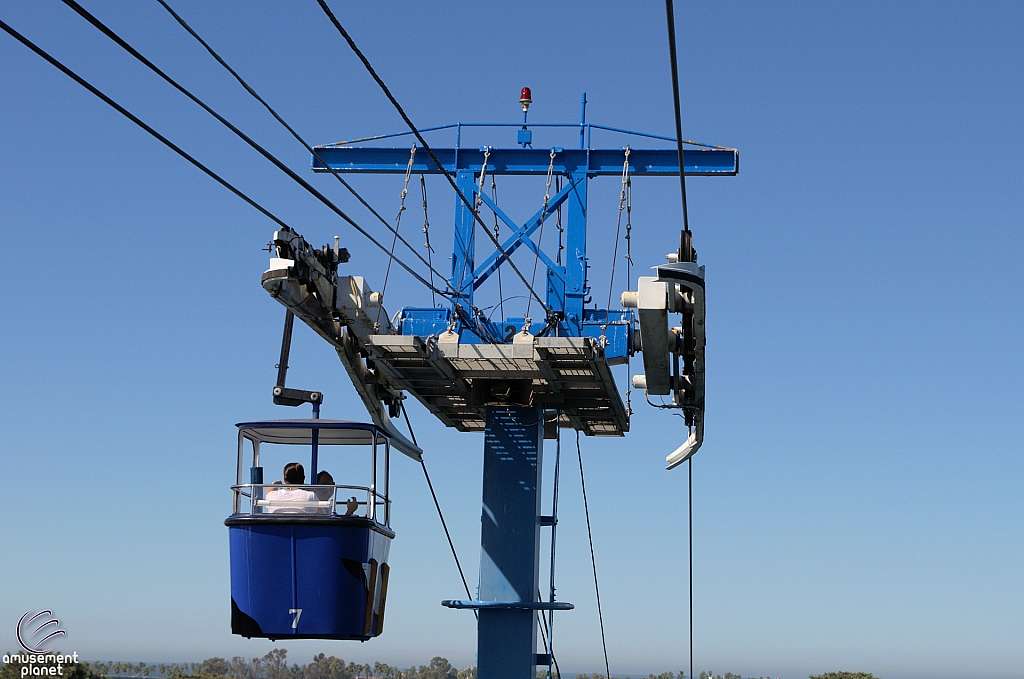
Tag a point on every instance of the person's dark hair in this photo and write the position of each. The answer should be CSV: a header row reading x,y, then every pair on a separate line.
x,y
294,473
324,478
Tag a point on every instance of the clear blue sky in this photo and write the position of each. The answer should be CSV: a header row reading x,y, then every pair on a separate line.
x,y
857,500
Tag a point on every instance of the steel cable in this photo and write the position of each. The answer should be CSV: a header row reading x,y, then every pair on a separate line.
x,y
426,147
310,149
103,28
593,561
394,241
127,114
444,524
689,514
671,21
550,627
426,236
540,239
544,639
615,251
629,285
468,247
494,198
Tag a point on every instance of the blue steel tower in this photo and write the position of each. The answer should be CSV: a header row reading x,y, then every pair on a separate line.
x,y
520,377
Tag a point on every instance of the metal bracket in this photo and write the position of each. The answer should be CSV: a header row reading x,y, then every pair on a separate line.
x,y
284,396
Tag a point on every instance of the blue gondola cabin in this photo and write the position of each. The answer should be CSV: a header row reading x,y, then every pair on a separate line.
x,y
309,560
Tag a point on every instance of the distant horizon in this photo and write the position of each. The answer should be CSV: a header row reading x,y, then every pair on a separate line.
x,y
568,673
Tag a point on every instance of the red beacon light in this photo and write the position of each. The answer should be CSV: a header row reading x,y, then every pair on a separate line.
x,y
524,98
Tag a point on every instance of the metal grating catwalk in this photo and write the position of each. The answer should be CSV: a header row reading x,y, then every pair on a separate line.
x,y
457,381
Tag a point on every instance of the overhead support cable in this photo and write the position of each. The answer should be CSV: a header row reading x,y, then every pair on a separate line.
x,y
544,637
467,248
629,286
426,235
398,223
447,534
689,514
99,25
670,18
127,114
540,238
494,199
593,561
623,193
440,514
305,145
426,146
549,628
688,242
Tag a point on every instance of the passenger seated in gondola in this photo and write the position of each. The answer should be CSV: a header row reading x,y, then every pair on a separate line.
x,y
293,474
325,479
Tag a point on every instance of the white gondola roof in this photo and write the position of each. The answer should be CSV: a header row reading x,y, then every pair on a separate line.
x,y
299,432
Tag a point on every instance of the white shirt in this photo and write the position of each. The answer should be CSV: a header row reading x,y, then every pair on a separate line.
x,y
291,495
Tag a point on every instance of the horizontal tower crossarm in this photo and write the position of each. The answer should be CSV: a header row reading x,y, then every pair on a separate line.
x,y
529,161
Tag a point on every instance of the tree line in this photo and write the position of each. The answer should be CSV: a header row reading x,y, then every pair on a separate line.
x,y
274,665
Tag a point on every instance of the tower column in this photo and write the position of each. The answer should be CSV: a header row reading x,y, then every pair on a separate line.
x,y
510,541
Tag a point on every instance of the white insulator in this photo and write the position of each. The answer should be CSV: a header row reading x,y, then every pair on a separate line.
x,y
639,381
629,299
376,298
672,257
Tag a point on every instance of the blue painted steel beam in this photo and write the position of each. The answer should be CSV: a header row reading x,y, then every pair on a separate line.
x,y
424,322
528,161
573,296
510,542
520,236
584,128
465,244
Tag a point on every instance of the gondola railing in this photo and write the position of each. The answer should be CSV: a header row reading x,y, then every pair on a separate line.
x,y
258,500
